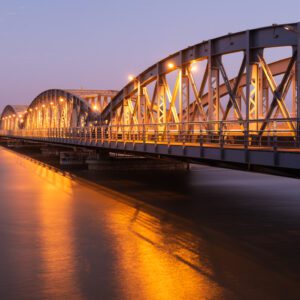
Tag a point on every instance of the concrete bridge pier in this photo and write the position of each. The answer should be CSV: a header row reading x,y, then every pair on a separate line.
x,y
73,158
124,162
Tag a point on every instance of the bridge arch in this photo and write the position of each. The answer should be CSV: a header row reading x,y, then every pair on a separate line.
x,y
56,108
258,90
12,117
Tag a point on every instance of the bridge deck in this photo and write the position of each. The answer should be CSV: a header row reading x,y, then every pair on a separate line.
x,y
271,151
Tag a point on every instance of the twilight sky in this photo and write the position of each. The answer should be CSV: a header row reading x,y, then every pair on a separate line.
x,y
96,44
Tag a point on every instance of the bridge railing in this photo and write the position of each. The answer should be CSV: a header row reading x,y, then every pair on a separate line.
x,y
275,133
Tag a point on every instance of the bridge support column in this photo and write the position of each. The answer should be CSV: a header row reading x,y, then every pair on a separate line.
x,y
119,162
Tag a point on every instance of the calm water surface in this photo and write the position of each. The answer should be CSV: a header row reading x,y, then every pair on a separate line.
x,y
61,239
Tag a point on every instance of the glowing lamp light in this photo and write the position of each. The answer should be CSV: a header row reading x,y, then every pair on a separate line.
x,y
20,116
36,108
171,65
51,103
289,28
61,99
43,105
194,68
130,77
30,109
95,107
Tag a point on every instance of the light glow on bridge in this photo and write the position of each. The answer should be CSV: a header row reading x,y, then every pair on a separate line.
x,y
171,65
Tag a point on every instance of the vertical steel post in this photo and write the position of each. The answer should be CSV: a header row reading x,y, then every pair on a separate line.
x,y
139,96
294,95
248,89
210,90
213,88
298,84
161,101
185,97
254,91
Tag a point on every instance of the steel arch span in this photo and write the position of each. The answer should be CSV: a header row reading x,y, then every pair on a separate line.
x,y
58,108
12,117
253,93
225,99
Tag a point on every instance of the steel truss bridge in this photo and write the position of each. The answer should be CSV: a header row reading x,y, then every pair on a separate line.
x,y
221,100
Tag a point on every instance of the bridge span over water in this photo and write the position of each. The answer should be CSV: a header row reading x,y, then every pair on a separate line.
x,y
228,99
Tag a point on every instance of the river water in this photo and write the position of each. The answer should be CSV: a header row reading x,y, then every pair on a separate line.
x,y
205,234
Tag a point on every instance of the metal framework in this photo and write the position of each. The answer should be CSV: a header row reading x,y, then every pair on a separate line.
x,y
12,117
58,109
169,104
254,93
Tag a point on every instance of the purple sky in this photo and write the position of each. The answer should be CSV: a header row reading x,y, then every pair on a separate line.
x,y
95,44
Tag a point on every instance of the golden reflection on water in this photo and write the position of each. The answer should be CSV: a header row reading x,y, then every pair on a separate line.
x,y
95,242
154,260
56,236
162,263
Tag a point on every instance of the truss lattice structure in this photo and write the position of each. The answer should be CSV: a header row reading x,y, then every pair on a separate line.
x,y
222,93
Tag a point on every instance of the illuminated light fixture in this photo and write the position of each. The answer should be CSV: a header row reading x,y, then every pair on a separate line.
x,y
20,116
30,109
51,103
289,28
14,115
61,99
22,121
130,77
43,105
36,108
171,65
95,107
292,29
194,68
